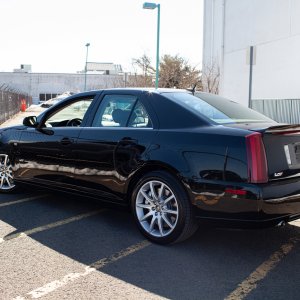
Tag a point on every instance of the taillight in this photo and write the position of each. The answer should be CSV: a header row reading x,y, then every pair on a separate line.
x,y
257,161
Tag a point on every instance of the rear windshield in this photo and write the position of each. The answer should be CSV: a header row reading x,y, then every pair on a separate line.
x,y
218,109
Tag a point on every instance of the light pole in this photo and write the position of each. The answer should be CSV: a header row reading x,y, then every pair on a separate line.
x,y
85,69
150,5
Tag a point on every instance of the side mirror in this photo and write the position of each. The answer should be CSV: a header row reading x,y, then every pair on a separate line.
x,y
30,121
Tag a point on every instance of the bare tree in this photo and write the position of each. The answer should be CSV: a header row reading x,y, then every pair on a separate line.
x,y
145,79
176,72
138,80
144,63
210,78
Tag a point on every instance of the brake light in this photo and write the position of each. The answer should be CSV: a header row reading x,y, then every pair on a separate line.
x,y
257,161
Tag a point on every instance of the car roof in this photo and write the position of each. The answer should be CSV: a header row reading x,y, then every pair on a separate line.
x,y
128,89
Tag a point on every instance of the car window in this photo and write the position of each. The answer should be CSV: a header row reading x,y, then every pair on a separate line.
x,y
70,115
114,111
217,109
139,117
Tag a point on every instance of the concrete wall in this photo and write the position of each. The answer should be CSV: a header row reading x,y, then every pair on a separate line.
x,y
273,27
35,84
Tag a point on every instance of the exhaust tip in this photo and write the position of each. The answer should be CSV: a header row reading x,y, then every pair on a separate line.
x,y
281,224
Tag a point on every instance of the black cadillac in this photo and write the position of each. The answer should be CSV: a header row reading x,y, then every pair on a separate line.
x,y
175,158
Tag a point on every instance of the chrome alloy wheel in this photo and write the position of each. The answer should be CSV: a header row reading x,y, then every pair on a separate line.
x,y
157,208
6,173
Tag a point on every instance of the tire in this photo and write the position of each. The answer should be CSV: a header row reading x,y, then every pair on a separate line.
x,y
7,184
162,210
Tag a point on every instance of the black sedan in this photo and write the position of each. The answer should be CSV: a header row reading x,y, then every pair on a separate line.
x,y
175,158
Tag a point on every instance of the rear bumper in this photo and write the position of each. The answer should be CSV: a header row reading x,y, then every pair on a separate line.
x,y
281,200
262,205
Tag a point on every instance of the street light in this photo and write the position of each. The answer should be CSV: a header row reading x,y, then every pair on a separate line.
x,y
149,5
85,69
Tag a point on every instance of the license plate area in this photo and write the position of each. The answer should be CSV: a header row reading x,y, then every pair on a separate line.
x,y
292,154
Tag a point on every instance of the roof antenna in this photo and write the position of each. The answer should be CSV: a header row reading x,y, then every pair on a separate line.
x,y
193,89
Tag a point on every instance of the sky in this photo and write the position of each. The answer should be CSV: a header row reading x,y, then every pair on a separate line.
x,y
51,35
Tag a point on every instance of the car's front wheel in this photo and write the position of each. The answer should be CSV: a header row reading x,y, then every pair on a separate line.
x,y
6,175
162,209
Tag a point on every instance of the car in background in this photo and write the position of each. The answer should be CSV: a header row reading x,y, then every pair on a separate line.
x,y
174,157
52,101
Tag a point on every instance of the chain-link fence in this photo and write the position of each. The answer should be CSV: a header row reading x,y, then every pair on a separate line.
x,y
11,102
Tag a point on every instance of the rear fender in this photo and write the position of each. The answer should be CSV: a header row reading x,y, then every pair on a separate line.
x,y
150,166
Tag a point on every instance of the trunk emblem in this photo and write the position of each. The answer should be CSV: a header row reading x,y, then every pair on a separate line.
x,y
278,174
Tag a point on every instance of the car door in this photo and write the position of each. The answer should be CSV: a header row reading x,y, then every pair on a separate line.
x,y
114,145
46,152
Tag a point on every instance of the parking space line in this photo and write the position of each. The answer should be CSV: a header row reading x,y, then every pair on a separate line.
x,y
22,200
295,223
49,226
250,283
56,284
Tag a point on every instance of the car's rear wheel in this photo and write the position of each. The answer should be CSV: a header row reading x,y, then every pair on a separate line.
x,y
6,175
162,209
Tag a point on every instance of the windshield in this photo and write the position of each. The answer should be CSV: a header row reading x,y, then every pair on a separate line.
x,y
218,109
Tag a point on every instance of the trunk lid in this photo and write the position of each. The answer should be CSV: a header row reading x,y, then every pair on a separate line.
x,y
282,145
282,148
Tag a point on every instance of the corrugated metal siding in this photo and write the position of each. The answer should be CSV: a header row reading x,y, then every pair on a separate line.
x,y
280,110
295,112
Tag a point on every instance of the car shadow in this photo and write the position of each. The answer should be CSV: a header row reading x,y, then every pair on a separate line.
x,y
209,265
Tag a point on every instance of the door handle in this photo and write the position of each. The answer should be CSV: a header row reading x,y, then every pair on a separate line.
x,y
66,141
128,140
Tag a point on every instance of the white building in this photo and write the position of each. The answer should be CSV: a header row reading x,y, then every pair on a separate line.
x,y
44,86
273,28
104,68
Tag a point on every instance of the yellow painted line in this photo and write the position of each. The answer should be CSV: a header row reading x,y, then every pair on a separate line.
x,y
56,284
49,226
250,283
295,223
21,200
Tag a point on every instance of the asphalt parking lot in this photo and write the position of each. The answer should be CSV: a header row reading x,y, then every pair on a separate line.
x,y
64,247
